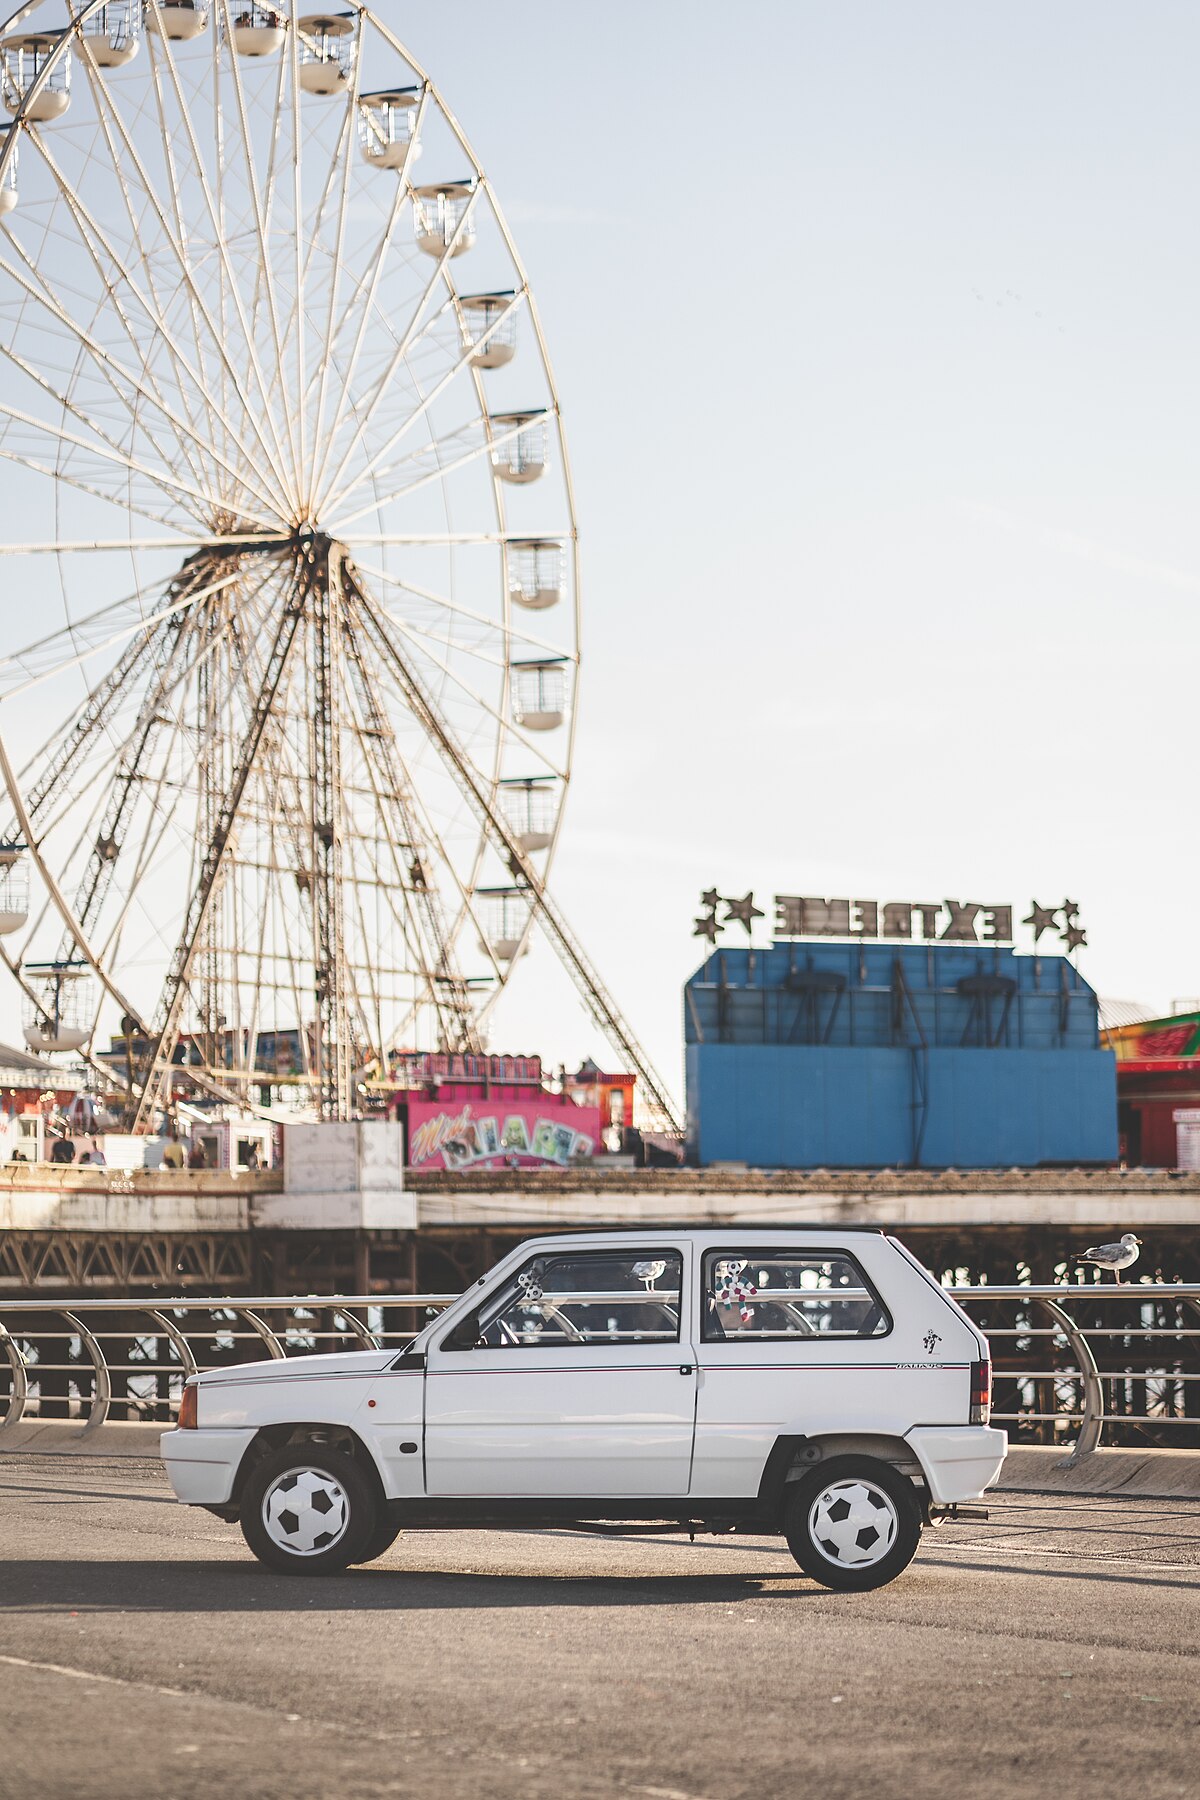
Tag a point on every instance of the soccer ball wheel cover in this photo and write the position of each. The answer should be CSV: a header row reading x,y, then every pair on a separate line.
x,y
305,1511
853,1523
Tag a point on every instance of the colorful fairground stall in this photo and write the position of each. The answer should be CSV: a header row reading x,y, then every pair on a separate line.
x,y
489,1112
1158,1091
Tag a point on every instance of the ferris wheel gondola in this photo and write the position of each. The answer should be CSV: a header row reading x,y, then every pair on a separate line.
x,y
305,498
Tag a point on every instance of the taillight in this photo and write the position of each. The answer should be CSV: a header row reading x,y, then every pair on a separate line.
x,y
981,1392
187,1408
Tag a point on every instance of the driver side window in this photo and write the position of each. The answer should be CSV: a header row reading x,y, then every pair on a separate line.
x,y
585,1299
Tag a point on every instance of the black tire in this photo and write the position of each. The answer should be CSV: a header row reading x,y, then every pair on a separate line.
x,y
337,1487
877,1499
381,1539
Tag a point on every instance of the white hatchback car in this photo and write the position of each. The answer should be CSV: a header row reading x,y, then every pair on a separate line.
x,y
817,1383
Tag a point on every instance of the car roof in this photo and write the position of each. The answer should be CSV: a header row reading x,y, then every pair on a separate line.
x,y
691,1230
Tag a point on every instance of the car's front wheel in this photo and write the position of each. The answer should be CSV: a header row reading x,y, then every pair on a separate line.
x,y
853,1523
381,1540
308,1510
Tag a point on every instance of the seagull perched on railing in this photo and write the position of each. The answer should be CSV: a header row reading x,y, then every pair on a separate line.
x,y
1116,1256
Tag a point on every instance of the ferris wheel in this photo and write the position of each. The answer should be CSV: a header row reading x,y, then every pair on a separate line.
x,y
291,561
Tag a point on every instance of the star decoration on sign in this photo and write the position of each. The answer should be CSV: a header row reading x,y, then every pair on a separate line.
x,y
1074,938
1070,911
706,927
744,911
1041,918
710,899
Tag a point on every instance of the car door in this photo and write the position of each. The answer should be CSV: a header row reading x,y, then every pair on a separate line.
x,y
574,1378
788,1340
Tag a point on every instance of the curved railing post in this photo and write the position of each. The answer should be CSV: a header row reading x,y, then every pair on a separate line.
x,y
20,1380
274,1347
102,1397
1092,1424
171,1330
362,1332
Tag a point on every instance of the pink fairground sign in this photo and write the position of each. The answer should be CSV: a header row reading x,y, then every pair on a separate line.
x,y
496,1133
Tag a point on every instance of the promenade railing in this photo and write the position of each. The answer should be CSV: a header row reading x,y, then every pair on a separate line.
x,y
1073,1364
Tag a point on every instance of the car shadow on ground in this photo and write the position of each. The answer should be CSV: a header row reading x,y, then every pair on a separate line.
x,y
176,1586
221,1586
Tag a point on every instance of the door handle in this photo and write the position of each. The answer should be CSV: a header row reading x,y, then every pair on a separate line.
x,y
686,1369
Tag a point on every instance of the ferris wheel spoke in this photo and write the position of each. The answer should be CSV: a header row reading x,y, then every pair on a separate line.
x,y
504,632
189,380
293,429
52,432
463,363
89,546
204,328
264,287
218,416
34,284
339,159
491,441
508,726
91,235
68,638
87,236
292,51
344,151
263,272
383,384
112,369
26,460
446,539
368,300
276,458
446,987
99,446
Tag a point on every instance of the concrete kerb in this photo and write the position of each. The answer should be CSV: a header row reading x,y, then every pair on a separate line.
x,y
66,1437
1146,1474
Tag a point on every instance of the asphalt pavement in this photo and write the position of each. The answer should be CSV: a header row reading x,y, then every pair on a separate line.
x,y
144,1655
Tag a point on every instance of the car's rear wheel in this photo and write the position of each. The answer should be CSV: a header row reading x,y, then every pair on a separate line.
x,y
853,1523
308,1510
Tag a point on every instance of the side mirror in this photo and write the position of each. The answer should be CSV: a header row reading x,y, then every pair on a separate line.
x,y
465,1334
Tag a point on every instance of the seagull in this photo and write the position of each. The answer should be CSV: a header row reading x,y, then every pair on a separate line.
x,y
1116,1256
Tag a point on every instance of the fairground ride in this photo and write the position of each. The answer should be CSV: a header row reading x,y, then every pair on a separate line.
x,y
303,685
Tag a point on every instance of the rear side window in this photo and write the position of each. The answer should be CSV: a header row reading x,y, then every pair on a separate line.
x,y
754,1294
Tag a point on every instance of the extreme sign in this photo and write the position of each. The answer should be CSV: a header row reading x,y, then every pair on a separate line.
x,y
960,921
930,921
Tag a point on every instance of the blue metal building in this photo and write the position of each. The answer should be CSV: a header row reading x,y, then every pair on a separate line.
x,y
816,1055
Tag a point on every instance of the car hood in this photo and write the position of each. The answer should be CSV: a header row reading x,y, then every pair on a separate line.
x,y
345,1362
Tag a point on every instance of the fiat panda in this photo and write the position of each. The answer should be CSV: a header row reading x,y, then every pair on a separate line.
x,y
815,1383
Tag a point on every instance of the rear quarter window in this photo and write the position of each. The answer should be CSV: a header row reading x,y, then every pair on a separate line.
x,y
755,1294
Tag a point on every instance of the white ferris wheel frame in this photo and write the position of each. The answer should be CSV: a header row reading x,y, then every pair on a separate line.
x,y
281,446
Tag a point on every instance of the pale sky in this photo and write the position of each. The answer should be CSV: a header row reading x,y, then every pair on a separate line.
x,y
875,330
875,335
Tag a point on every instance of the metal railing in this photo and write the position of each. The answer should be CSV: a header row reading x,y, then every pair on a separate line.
x,y
1069,1361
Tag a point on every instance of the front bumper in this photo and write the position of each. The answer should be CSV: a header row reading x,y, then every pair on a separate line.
x,y
959,1461
202,1465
